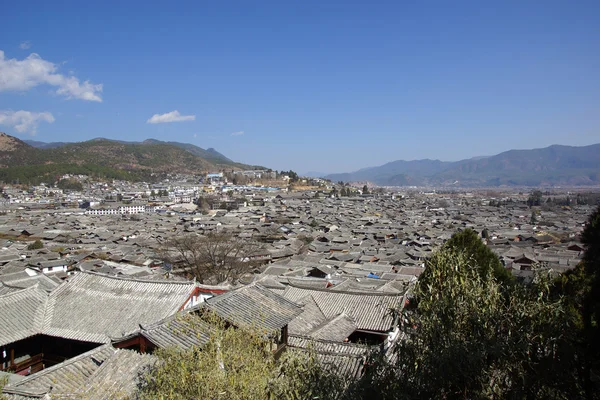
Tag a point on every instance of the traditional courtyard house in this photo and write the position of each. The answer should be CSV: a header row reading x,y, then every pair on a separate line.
x,y
256,307
101,373
345,315
179,330
39,330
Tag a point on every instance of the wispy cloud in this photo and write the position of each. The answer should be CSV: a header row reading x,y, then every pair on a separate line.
x,y
239,133
195,135
25,44
22,75
172,116
24,121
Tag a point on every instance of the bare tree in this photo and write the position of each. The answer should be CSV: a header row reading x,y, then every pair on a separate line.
x,y
212,258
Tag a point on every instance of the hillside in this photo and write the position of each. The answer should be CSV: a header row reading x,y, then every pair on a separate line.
x,y
102,157
551,166
14,151
44,145
210,154
392,171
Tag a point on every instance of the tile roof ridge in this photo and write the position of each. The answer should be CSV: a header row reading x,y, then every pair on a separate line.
x,y
21,290
331,320
39,392
161,281
332,290
310,297
169,318
327,341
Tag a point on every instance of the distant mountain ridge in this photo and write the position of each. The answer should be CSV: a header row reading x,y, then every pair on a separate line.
x,y
148,160
209,154
555,165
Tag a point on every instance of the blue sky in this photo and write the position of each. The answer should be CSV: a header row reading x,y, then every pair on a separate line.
x,y
312,86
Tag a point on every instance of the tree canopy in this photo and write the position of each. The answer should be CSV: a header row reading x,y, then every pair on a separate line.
x,y
35,245
467,336
237,364
484,259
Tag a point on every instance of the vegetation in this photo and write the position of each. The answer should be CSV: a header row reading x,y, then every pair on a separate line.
x,y
3,382
293,175
36,174
109,159
237,364
589,290
215,257
535,199
70,184
466,336
484,259
35,245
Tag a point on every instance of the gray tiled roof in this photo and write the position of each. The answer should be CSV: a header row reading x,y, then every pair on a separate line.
x,y
89,307
94,307
118,376
21,314
66,377
310,318
183,330
254,306
370,311
343,359
327,346
96,374
23,280
337,329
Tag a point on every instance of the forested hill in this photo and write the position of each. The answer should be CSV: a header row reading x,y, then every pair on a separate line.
x,y
550,166
105,158
210,154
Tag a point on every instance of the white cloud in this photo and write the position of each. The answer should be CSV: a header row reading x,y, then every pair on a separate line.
x,y
25,44
195,135
22,75
172,116
240,133
24,121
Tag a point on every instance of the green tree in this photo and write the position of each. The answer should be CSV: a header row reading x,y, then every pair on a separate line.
x,y
365,189
70,184
485,233
590,302
292,175
535,199
237,364
3,382
203,204
466,336
533,219
35,245
484,259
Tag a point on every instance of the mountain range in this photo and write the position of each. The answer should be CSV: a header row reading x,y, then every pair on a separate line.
x,y
208,154
555,165
35,161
